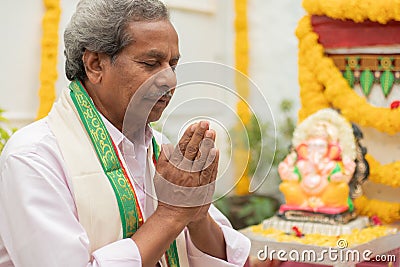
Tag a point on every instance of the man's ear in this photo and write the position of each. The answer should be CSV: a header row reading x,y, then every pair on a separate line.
x,y
94,65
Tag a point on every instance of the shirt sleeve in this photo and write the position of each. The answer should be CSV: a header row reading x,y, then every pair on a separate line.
x,y
123,253
38,219
237,246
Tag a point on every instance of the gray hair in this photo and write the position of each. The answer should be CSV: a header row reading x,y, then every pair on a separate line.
x,y
101,26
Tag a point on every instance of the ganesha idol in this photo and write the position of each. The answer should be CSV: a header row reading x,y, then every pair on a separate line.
x,y
316,174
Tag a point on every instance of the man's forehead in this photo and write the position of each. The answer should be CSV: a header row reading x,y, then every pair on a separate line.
x,y
158,54
158,27
156,39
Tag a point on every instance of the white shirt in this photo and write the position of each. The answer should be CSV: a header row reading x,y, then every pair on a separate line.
x,y
38,218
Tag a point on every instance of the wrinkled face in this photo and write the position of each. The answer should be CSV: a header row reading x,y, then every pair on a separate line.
x,y
143,74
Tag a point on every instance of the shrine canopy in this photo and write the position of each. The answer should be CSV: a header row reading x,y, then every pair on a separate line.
x,y
334,33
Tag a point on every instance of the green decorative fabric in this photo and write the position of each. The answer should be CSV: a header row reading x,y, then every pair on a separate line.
x,y
172,252
156,149
105,150
101,140
172,255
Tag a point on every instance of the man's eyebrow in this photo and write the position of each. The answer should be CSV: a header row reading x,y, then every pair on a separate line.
x,y
156,54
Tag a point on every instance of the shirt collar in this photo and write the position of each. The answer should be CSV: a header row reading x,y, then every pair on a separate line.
x,y
118,137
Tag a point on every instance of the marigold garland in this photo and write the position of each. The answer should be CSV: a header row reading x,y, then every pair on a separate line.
x,y
322,85
242,86
356,237
48,68
380,11
384,174
386,211
311,92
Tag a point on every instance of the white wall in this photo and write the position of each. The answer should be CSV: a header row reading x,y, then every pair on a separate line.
x,y
20,45
274,49
21,28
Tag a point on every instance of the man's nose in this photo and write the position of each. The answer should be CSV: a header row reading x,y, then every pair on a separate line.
x,y
166,78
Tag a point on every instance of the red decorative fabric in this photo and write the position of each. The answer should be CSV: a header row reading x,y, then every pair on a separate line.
x,y
247,263
347,33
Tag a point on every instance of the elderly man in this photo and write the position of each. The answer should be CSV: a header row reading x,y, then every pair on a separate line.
x,y
77,186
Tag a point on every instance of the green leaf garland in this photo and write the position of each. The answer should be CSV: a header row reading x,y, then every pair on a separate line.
x,y
367,80
349,76
387,81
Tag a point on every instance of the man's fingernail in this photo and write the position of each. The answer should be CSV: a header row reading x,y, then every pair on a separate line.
x,y
213,151
204,124
209,134
193,127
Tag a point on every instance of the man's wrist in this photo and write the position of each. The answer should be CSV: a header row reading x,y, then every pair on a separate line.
x,y
172,216
201,224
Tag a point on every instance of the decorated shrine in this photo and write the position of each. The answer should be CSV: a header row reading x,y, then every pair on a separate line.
x,y
342,182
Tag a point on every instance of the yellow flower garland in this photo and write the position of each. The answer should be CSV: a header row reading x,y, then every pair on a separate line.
x,y
384,174
386,211
241,154
322,85
356,237
48,69
380,11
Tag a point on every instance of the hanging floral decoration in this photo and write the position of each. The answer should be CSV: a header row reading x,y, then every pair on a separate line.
x,y
367,70
241,155
381,11
322,85
49,47
335,87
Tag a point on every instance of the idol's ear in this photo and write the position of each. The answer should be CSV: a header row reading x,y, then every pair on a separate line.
x,y
301,151
94,65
